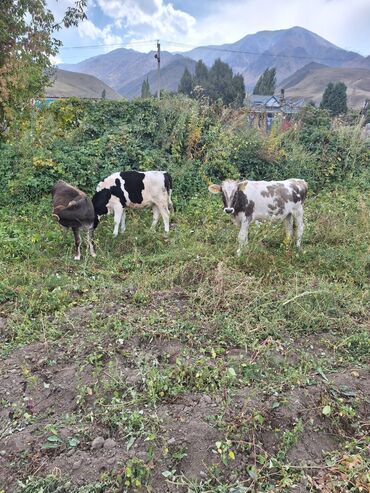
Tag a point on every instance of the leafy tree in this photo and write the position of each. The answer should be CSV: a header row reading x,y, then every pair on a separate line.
x,y
220,82
216,83
335,98
103,94
201,74
266,83
186,83
26,45
238,90
327,97
145,89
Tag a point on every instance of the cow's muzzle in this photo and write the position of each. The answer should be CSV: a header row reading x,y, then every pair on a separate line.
x,y
229,210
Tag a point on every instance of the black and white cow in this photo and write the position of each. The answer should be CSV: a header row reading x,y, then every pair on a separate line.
x,y
250,201
135,190
74,209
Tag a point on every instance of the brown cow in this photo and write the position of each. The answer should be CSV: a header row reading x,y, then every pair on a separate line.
x,y
75,210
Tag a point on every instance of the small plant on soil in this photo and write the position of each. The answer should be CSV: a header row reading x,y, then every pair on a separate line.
x,y
225,451
136,473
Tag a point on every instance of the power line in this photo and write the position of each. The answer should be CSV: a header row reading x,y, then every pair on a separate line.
x,y
228,50
210,48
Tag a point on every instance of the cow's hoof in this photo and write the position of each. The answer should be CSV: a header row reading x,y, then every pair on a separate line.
x,y
77,258
93,254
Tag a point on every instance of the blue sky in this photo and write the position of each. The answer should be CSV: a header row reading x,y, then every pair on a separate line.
x,y
111,23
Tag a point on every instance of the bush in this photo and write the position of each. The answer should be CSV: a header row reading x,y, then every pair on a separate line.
x,y
82,141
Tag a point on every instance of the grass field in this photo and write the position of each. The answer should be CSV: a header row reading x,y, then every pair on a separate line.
x,y
167,364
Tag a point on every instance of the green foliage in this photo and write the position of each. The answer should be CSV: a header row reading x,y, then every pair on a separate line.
x,y
26,45
201,74
266,84
83,141
145,89
218,83
186,83
335,99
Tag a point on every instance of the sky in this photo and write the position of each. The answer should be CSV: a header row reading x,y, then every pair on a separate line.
x,y
183,24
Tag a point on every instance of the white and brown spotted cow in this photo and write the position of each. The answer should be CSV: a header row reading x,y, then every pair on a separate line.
x,y
135,190
250,201
74,209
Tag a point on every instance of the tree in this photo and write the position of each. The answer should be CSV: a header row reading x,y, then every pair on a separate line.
x,y
26,45
103,94
145,89
327,97
201,74
220,82
334,98
186,83
266,83
238,90
217,83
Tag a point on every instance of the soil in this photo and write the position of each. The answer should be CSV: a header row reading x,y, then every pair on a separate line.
x,y
44,380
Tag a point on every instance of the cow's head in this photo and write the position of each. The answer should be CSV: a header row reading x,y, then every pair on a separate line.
x,y
100,201
230,190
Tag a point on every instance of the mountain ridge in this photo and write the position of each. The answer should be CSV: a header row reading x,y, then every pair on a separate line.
x,y
289,50
310,83
66,84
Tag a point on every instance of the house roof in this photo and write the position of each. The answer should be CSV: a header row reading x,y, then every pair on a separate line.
x,y
273,103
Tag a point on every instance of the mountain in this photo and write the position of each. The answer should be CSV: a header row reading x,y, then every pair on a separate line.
x,y
364,63
287,49
120,67
310,82
67,84
170,77
300,74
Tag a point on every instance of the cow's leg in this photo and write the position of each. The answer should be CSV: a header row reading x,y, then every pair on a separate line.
x,y
165,213
76,232
156,215
243,235
289,226
123,221
90,241
298,217
118,211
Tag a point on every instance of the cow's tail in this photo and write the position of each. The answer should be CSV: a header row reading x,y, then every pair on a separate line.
x,y
304,190
170,203
168,186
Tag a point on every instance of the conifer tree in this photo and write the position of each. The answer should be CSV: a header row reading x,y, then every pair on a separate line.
x,y
186,83
266,83
145,89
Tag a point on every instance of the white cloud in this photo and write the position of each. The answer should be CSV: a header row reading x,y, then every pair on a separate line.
x,y
87,29
345,23
146,19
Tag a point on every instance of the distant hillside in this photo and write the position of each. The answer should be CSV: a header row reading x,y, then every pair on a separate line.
x,y
170,77
301,73
67,84
120,67
311,81
287,49
364,63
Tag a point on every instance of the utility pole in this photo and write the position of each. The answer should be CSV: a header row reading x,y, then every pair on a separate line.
x,y
158,57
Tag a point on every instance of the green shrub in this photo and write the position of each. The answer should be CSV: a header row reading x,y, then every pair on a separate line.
x,y
82,141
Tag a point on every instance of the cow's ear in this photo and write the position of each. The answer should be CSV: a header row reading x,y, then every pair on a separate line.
x,y
214,188
242,185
